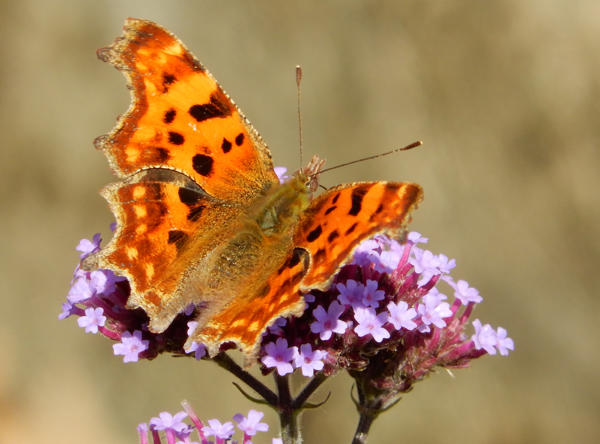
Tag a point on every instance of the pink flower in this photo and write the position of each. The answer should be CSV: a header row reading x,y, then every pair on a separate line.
x,y
432,311
88,247
280,172
198,349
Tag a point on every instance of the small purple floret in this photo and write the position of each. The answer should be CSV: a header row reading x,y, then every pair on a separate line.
x,y
484,337
94,318
371,295
131,346
88,247
351,293
433,311
369,322
251,424
400,316
279,356
309,360
327,322
167,421
465,293
221,431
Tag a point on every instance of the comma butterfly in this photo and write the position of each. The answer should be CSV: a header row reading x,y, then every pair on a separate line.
x,y
203,219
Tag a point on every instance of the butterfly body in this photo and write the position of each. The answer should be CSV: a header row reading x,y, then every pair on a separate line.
x,y
203,219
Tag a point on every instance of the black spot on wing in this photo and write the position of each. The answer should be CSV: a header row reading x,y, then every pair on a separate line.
x,y
169,116
330,209
226,145
377,211
319,256
264,291
314,234
203,164
357,197
393,187
195,213
335,199
333,235
294,260
176,138
189,197
163,155
351,229
298,255
239,139
194,201
168,79
179,238
217,107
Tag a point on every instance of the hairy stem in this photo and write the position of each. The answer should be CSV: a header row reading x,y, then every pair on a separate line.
x,y
308,390
364,425
368,409
288,415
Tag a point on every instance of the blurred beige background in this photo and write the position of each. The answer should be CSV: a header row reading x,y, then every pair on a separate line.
x,y
506,96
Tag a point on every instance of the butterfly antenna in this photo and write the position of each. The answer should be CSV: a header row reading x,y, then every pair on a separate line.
x,y
408,147
298,80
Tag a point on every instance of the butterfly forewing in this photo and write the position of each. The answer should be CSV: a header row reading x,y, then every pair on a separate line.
x,y
181,119
339,219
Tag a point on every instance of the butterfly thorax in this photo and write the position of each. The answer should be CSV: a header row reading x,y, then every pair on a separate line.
x,y
279,214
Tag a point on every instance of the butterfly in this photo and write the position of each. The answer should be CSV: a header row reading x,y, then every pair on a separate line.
x,y
203,219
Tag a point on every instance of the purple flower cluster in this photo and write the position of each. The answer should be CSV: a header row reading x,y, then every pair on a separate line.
x,y
385,318
385,301
99,299
175,431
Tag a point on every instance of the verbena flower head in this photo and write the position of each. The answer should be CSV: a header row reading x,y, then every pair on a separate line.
x,y
385,322
383,319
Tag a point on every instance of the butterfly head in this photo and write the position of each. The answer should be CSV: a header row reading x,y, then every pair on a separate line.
x,y
309,174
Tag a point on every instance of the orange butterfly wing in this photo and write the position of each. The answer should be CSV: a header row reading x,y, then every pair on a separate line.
x,y
191,162
181,119
340,219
